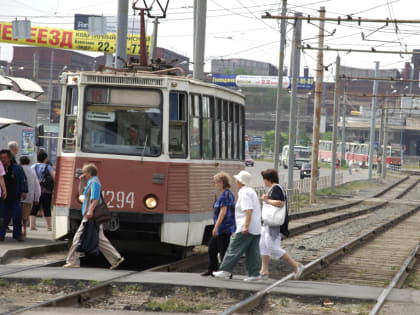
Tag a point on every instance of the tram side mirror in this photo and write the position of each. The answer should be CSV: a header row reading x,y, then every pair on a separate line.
x,y
39,134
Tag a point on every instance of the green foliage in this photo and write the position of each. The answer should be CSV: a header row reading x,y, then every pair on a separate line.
x,y
3,283
46,282
268,144
326,136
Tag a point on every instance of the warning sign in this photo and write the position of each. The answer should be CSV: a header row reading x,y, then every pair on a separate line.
x,y
71,39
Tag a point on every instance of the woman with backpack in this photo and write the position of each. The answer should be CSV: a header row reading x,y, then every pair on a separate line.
x,y
224,222
270,241
45,174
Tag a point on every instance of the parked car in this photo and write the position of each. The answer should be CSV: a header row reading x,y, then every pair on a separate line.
x,y
305,170
249,161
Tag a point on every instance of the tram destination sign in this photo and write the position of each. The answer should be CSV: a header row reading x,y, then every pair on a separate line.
x,y
71,39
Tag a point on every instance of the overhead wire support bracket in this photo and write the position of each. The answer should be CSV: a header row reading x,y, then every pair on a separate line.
x,y
339,19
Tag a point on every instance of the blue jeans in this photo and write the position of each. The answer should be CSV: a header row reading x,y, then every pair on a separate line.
x,y
12,209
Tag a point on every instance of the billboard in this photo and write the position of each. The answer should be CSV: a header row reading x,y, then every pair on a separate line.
x,y
70,39
27,145
81,22
255,81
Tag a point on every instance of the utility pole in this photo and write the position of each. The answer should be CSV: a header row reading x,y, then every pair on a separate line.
x,y
372,121
50,85
317,109
297,33
279,85
384,148
381,139
121,48
199,39
298,122
153,44
335,118
343,131
36,65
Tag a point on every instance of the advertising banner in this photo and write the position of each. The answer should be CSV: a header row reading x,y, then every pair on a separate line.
x,y
224,79
70,39
27,143
81,22
255,81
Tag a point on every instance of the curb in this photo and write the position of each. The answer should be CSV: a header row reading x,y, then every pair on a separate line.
x,y
32,251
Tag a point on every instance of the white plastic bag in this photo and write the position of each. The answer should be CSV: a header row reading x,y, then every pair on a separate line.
x,y
273,216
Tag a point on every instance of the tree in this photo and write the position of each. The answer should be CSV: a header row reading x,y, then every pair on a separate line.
x,y
269,136
326,136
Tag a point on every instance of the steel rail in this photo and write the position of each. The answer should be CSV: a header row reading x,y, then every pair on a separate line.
x,y
322,261
398,279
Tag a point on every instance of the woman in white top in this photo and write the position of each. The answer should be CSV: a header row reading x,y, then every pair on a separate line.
x,y
246,238
270,242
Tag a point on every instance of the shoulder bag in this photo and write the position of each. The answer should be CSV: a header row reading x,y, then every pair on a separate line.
x,y
101,213
271,215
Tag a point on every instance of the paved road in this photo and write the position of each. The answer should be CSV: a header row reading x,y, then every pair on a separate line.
x,y
260,166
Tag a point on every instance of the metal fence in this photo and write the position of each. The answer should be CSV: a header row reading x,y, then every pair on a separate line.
x,y
301,187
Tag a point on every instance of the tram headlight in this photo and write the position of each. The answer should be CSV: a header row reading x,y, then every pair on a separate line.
x,y
150,202
81,198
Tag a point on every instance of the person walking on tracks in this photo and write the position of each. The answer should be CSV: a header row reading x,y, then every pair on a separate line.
x,y
90,187
224,222
247,235
14,180
34,191
270,242
46,175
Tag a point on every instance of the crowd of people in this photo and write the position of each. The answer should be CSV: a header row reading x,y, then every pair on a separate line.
x,y
239,228
24,189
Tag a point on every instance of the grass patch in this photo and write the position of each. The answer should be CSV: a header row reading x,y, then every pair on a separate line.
x,y
411,166
133,288
347,188
94,282
46,282
173,305
3,283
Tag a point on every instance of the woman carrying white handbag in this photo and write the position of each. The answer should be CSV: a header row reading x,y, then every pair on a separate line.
x,y
274,213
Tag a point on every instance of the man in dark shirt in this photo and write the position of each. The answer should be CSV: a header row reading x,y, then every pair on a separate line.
x,y
14,180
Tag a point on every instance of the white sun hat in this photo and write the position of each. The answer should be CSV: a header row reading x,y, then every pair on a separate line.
x,y
244,177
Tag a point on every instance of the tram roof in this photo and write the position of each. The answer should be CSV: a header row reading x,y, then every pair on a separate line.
x,y
150,76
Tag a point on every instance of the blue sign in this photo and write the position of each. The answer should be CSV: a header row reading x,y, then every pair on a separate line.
x,y
224,79
81,21
257,140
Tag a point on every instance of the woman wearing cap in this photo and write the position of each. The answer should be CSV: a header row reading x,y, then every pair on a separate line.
x,y
247,235
270,242
224,222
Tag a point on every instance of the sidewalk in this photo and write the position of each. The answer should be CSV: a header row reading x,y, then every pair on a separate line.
x,y
36,242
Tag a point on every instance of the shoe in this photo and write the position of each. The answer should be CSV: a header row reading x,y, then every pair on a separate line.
x,y
252,279
117,263
222,274
207,273
34,229
263,276
299,271
69,265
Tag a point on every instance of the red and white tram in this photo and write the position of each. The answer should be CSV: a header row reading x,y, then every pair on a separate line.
x,y
357,152
157,141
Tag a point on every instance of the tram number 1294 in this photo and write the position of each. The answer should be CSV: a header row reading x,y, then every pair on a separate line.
x,y
119,199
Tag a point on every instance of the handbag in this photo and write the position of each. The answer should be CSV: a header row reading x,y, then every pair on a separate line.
x,y
273,216
101,213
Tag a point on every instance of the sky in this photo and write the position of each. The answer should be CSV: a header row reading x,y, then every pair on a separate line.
x,y
235,28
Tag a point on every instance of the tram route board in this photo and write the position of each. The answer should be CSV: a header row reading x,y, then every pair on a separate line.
x,y
71,39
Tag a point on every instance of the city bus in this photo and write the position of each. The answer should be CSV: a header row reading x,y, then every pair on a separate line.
x,y
157,141
302,155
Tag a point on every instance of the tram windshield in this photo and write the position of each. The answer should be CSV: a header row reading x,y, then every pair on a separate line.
x,y
122,121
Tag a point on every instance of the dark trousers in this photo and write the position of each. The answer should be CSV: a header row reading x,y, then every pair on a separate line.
x,y
218,244
44,203
12,209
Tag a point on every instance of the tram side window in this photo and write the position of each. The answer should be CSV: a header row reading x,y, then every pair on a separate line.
x,y
217,130
195,127
70,118
224,131
241,132
177,125
208,121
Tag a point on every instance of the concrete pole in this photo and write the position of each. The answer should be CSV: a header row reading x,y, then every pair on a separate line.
x,y
279,85
297,123
384,149
200,39
381,139
297,35
35,66
121,49
154,40
335,118
194,25
372,121
317,108
50,85
343,131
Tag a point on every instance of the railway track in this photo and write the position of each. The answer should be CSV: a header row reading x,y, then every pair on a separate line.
x,y
373,258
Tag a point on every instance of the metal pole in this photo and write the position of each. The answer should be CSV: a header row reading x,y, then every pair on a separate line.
x,y
381,139
317,109
143,48
335,118
279,86
154,40
195,25
36,65
50,88
297,33
384,149
372,121
200,39
121,48
343,131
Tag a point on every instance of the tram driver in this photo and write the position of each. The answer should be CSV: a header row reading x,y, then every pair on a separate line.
x,y
133,135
